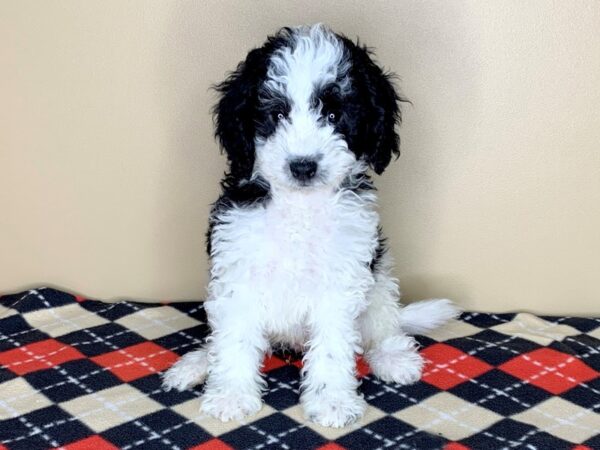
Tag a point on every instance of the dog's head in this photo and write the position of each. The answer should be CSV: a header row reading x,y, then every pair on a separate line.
x,y
307,109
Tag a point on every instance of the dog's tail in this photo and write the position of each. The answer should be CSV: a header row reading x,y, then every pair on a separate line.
x,y
421,317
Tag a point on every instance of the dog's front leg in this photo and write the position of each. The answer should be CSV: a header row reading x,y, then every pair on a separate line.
x,y
236,349
329,384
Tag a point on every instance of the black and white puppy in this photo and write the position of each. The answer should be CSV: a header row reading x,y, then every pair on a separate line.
x,y
296,251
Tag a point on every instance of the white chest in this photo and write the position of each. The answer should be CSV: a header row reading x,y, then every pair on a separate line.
x,y
295,245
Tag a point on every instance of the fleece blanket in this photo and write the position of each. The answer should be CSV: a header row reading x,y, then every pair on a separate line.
x,y
81,374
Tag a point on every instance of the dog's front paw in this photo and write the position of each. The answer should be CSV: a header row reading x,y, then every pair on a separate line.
x,y
333,409
190,370
396,360
230,405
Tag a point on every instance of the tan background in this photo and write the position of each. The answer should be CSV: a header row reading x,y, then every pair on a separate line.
x,y
108,166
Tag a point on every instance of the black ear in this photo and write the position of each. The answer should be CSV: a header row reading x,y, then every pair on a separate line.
x,y
235,112
381,110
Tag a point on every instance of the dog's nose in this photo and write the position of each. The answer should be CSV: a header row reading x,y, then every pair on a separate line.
x,y
303,169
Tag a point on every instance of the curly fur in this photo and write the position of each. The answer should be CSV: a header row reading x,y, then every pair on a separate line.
x,y
297,254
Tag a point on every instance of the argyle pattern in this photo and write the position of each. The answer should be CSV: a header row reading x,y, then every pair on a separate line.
x,y
81,374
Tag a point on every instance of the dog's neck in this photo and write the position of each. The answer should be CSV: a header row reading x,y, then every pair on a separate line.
x,y
301,194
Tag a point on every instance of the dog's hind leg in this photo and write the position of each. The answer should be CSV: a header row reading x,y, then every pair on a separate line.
x,y
391,353
190,370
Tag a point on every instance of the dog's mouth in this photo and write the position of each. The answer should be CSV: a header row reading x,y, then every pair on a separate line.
x,y
318,180
305,183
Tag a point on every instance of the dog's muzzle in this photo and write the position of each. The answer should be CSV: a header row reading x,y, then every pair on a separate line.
x,y
303,169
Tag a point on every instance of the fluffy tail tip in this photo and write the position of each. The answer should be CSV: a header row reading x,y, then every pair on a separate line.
x,y
421,317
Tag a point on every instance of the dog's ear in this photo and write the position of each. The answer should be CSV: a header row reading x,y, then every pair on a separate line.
x,y
235,113
381,109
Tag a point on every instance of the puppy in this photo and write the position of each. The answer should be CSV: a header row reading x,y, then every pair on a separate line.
x,y
296,250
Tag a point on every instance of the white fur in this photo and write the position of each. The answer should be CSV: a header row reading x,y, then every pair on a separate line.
x,y
295,73
422,317
189,371
395,359
296,270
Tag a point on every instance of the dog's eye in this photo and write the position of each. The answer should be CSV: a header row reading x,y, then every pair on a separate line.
x,y
279,116
332,117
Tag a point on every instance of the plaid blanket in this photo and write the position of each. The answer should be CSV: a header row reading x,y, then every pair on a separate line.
x,y
82,374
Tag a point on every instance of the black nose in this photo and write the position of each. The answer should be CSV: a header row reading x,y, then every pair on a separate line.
x,y
303,169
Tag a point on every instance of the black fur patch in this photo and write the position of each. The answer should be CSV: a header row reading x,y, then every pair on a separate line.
x,y
237,112
381,249
371,110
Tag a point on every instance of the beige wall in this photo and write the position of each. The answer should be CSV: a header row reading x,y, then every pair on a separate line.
x,y
108,166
